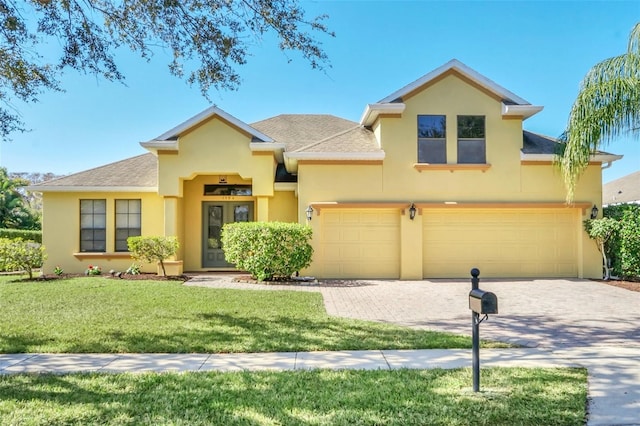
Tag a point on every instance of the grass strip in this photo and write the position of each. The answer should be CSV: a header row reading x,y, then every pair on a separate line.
x,y
513,396
97,314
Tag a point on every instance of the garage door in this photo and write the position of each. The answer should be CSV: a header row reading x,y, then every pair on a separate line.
x,y
359,243
500,242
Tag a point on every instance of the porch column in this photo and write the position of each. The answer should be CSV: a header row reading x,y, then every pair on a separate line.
x,y
262,209
411,247
172,228
170,216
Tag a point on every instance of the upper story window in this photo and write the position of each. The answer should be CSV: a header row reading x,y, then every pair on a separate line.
x,y
128,222
471,139
432,142
93,225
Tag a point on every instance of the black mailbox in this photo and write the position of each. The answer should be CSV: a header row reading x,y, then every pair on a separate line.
x,y
483,302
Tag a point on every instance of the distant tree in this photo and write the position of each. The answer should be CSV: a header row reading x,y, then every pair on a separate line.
x,y
33,199
207,40
608,105
15,212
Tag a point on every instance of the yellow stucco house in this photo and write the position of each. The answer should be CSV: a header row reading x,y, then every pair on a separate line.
x,y
436,178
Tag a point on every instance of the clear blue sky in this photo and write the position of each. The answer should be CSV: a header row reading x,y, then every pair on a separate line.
x,y
538,50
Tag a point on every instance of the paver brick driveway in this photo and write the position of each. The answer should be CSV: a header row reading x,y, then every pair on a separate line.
x,y
545,313
554,313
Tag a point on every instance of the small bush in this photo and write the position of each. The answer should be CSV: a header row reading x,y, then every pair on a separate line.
x,y
19,255
268,250
134,269
602,231
153,249
26,235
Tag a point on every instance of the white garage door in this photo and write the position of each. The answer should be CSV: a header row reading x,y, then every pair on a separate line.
x,y
500,242
359,243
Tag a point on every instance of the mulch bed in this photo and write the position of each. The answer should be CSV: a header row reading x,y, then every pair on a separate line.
x,y
142,276
628,285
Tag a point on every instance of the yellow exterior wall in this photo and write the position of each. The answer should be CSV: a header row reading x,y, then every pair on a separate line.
x,y
212,153
193,198
215,147
61,230
507,180
283,207
217,150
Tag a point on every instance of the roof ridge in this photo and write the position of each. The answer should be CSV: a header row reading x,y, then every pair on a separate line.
x,y
335,135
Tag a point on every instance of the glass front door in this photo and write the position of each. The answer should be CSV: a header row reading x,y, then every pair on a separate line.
x,y
215,215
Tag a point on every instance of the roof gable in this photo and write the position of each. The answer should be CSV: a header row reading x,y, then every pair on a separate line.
x,y
455,66
169,139
512,104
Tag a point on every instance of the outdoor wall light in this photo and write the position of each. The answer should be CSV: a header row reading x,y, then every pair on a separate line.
x,y
412,212
309,212
594,212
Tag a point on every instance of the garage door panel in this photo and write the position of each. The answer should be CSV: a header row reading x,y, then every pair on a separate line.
x,y
501,243
360,243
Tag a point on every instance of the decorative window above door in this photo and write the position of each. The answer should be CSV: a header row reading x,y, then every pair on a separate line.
x,y
227,190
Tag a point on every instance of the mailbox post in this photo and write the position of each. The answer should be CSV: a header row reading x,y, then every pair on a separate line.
x,y
475,333
481,303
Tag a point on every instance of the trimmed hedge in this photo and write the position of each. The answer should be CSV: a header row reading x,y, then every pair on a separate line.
x,y
268,250
624,247
21,233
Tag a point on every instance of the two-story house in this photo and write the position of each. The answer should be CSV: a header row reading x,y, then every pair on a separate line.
x,y
435,179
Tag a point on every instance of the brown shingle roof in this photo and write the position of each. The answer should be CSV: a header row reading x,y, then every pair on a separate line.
x,y
140,171
299,130
356,139
623,190
534,143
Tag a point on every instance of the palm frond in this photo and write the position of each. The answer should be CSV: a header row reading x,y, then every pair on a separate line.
x,y
607,106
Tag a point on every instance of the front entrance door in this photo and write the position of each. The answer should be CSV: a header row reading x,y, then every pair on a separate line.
x,y
215,215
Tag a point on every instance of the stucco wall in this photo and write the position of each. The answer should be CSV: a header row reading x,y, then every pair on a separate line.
x,y
507,180
215,147
61,230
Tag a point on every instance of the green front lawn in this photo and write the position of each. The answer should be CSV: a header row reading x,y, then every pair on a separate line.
x,y
319,397
97,314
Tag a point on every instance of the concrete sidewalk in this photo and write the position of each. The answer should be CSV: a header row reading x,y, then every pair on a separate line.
x,y
614,379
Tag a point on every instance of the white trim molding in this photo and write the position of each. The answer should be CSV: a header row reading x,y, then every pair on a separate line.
x,y
599,157
524,111
276,147
469,73
373,111
205,115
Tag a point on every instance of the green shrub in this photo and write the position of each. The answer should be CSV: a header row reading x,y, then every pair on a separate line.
x,y
134,269
19,255
630,243
153,249
602,231
268,250
620,248
21,233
